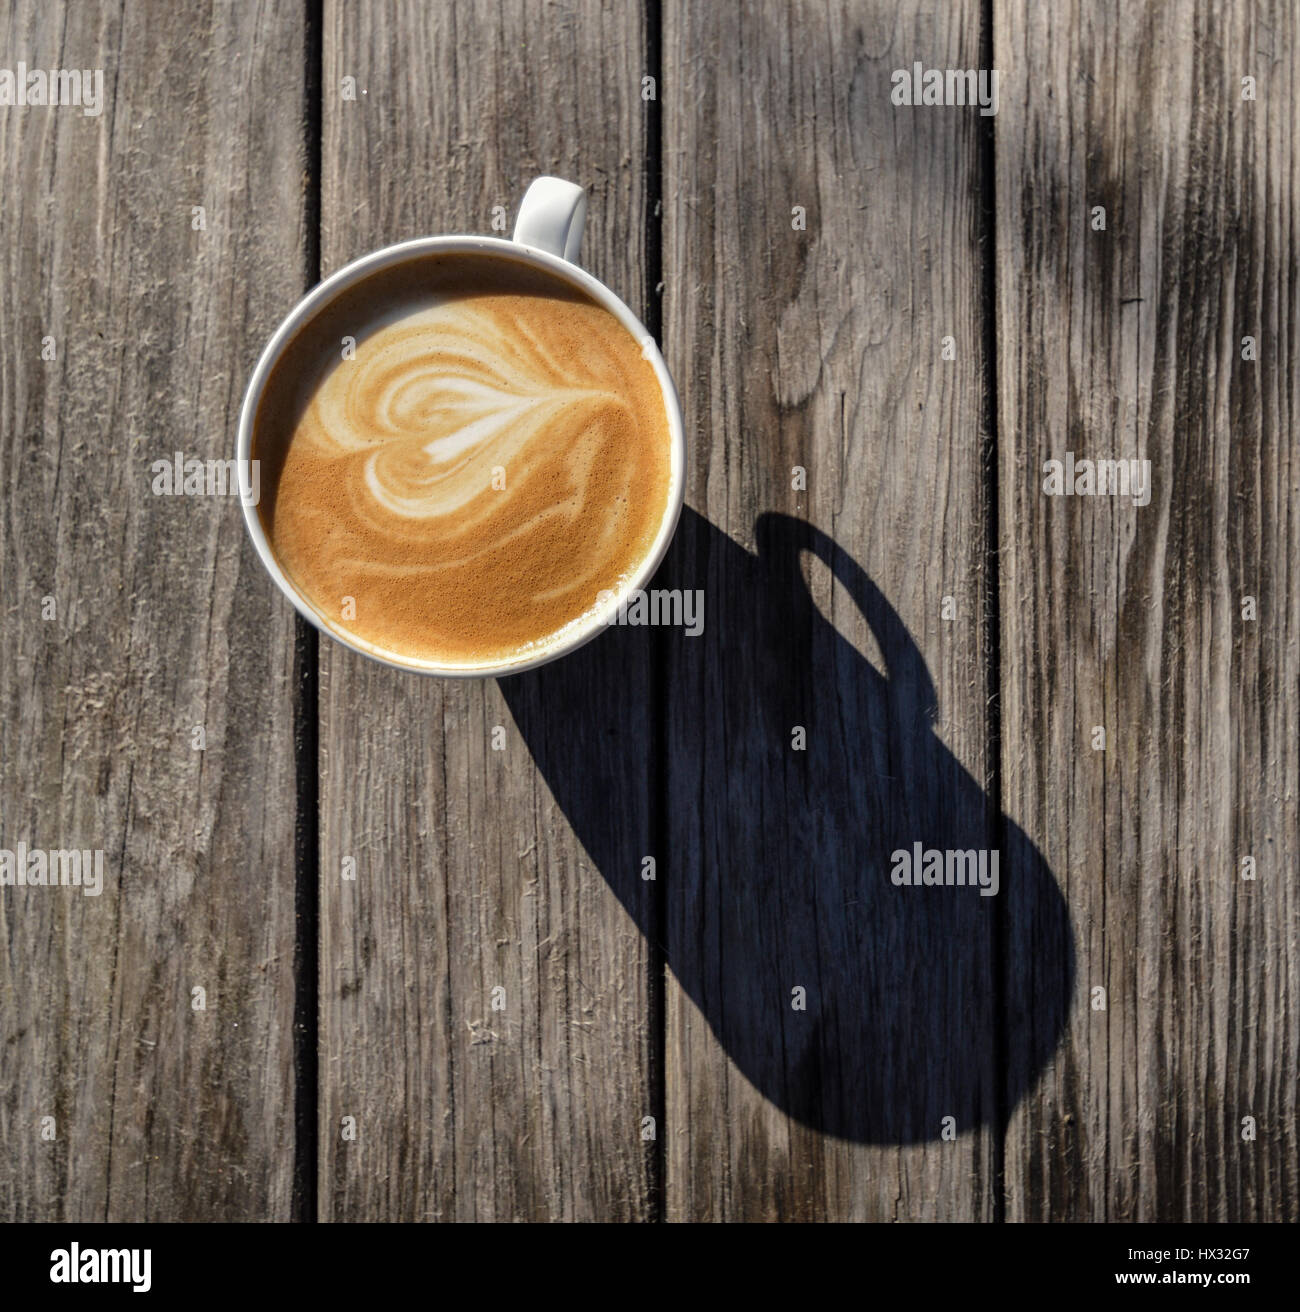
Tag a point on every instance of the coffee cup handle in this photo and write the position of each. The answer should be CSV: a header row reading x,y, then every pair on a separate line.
x,y
551,217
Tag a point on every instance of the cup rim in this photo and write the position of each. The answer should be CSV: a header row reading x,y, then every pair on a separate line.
x,y
320,296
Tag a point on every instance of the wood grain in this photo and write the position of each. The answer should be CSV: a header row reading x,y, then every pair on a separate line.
x,y
821,349
1127,343
163,619
469,874
946,636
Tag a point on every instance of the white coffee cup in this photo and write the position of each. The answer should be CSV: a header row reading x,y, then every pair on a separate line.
x,y
547,235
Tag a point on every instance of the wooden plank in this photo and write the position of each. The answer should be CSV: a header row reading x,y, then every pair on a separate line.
x,y
469,874
1127,343
821,349
162,620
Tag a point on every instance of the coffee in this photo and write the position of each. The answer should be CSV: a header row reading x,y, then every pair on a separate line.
x,y
458,456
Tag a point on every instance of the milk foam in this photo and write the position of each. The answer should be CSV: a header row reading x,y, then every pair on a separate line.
x,y
494,457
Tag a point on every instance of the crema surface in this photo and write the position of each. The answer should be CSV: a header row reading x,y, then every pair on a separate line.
x,y
459,486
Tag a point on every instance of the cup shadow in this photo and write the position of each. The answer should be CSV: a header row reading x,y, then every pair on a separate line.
x,y
773,865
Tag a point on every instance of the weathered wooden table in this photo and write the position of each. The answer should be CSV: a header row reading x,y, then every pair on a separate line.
x,y
883,321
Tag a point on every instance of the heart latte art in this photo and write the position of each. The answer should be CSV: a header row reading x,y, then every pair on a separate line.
x,y
460,486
